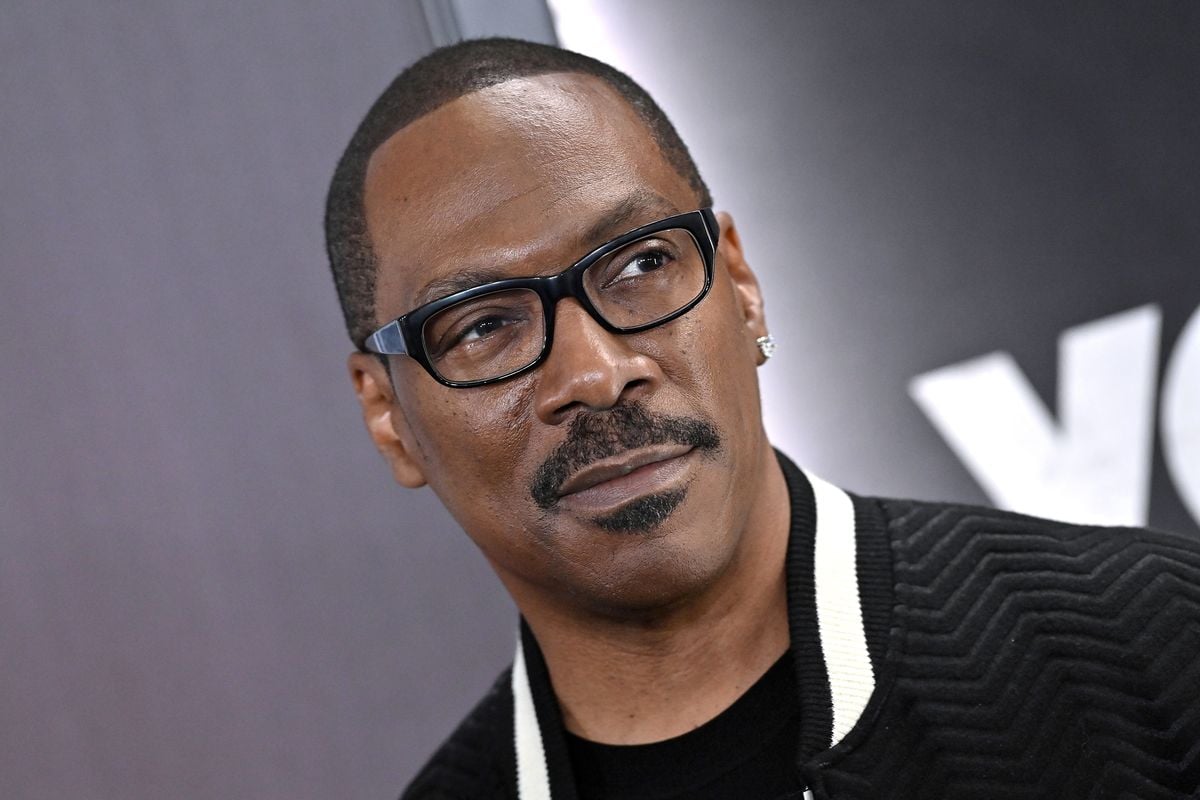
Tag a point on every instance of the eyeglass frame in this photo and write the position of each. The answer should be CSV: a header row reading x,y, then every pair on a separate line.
x,y
403,336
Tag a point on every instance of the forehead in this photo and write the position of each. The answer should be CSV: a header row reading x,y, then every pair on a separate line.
x,y
511,177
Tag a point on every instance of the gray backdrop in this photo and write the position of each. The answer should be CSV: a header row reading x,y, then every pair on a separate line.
x,y
922,183
208,585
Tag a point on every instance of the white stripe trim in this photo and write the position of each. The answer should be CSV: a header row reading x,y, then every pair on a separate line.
x,y
533,779
839,609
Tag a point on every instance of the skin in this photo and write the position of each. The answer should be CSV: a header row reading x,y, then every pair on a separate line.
x,y
646,634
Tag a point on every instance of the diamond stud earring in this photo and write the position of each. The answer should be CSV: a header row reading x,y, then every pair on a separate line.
x,y
766,346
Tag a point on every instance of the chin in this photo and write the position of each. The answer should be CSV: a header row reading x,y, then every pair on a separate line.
x,y
650,569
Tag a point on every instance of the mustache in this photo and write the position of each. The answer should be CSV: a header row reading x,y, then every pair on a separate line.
x,y
604,434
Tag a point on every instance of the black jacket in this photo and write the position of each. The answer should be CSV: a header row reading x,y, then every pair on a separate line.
x,y
984,654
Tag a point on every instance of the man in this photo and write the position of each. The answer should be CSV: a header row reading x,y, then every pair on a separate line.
x,y
560,338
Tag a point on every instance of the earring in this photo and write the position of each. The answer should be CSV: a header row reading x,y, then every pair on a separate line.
x,y
766,346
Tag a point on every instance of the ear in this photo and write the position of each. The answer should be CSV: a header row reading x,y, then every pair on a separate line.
x,y
745,284
385,420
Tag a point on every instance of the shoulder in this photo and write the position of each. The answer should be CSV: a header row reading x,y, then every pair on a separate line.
x,y
477,760
1038,653
931,535
946,555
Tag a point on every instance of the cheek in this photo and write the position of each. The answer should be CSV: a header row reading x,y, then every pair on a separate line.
x,y
476,438
688,358
710,348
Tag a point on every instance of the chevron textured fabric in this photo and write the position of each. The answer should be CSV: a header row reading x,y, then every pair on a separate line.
x,y
1032,659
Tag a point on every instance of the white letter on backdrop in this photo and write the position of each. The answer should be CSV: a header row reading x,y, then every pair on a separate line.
x,y
1093,464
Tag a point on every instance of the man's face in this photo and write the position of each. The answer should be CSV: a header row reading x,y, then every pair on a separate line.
x,y
523,179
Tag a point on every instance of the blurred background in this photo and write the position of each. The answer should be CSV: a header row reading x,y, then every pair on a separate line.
x,y
977,226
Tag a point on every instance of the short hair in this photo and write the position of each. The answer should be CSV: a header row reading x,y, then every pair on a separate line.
x,y
440,77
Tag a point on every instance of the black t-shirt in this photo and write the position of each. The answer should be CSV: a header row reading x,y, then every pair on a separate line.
x,y
747,752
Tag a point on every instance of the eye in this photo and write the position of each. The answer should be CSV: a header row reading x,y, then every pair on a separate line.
x,y
481,328
649,257
484,326
643,263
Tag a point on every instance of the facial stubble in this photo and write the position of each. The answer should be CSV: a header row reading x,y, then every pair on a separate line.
x,y
604,434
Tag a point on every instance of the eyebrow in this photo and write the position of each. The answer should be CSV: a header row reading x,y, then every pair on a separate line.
x,y
466,278
614,222
621,218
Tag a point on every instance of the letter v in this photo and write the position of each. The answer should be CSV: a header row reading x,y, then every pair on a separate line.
x,y
1093,466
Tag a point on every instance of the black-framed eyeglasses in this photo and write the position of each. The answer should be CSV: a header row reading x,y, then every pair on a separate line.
x,y
489,333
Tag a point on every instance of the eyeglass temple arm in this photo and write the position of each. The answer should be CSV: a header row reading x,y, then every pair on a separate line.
x,y
388,340
714,227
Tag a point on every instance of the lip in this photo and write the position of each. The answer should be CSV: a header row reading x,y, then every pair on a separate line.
x,y
612,481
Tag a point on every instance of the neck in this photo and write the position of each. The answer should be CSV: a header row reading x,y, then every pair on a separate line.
x,y
653,677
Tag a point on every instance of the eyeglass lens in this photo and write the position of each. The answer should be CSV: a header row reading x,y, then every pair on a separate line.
x,y
498,333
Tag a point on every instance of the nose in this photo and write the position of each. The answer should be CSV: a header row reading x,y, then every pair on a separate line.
x,y
589,369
